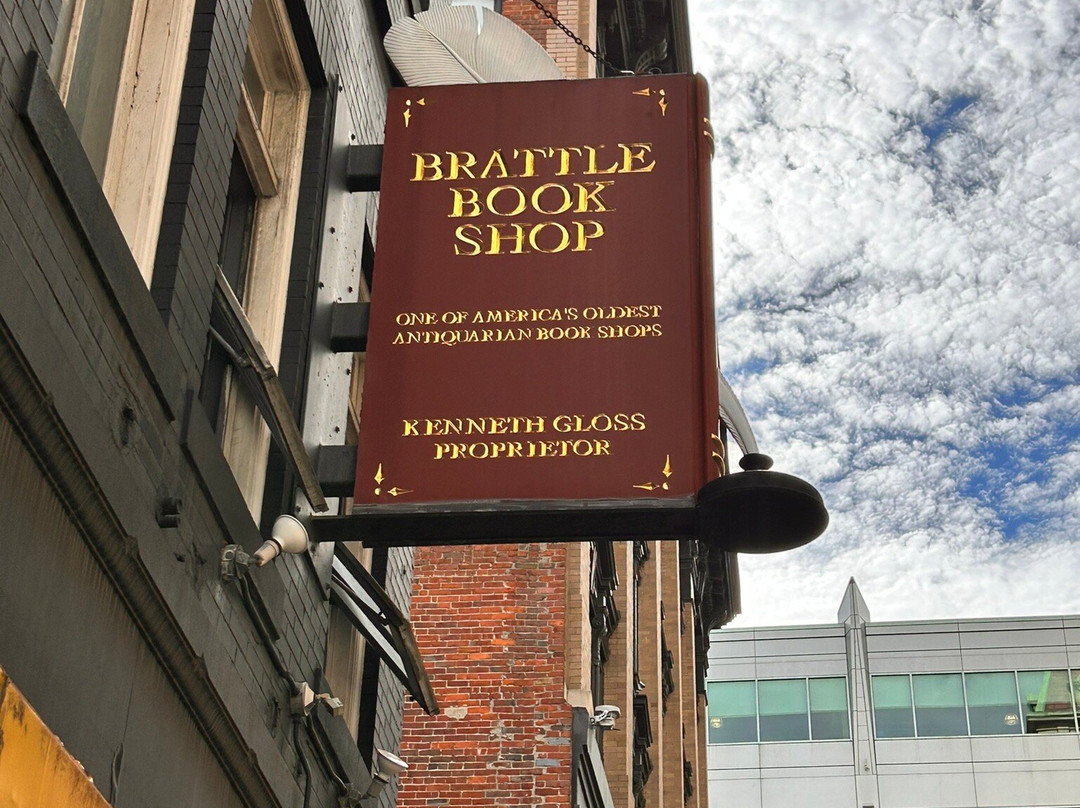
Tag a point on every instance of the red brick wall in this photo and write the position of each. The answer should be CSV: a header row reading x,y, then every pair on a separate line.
x,y
577,15
490,625
529,17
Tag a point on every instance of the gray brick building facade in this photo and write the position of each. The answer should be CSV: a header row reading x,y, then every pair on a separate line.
x,y
120,479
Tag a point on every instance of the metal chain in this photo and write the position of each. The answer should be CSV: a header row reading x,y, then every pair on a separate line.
x,y
577,40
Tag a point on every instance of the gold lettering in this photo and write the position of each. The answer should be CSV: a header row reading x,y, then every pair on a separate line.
x,y
496,160
567,199
463,197
564,237
423,165
460,234
585,196
409,428
497,238
493,194
582,241
635,152
592,169
460,161
529,157
564,159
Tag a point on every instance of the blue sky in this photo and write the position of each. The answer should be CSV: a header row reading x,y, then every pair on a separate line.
x,y
897,228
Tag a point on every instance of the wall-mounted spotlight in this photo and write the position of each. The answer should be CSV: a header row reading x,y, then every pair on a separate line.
x,y
387,766
287,535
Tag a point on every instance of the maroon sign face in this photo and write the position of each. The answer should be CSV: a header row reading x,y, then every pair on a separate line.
x,y
542,310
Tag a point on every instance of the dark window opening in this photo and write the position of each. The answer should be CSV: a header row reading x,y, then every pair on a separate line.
x,y
233,256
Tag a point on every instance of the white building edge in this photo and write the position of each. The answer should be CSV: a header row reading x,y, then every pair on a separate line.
x,y
939,714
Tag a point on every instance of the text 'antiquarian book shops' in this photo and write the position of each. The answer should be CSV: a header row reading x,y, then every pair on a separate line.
x,y
542,309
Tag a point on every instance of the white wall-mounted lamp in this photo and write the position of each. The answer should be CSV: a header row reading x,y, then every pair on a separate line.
x,y
387,766
287,535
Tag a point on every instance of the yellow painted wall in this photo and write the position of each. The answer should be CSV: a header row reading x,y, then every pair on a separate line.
x,y
35,769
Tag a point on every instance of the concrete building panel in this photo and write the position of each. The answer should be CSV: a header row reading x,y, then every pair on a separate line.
x,y
935,789
912,732
743,792
800,790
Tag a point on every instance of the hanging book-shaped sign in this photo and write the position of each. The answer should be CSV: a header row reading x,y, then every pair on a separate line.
x,y
542,311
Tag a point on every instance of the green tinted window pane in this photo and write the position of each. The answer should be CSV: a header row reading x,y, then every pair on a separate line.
x,y
782,707
829,710
732,712
828,694
782,696
1046,701
938,690
892,707
732,698
891,691
939,705
987,689
992,704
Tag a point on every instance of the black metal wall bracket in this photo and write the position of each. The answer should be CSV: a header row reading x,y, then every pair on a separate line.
x,y
753,511
363,168
335,466
349,327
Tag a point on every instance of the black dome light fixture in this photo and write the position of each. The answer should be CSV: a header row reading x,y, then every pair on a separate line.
x,y
760,511
756,510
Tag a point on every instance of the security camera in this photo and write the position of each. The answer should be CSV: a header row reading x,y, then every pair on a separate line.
x,y
605,716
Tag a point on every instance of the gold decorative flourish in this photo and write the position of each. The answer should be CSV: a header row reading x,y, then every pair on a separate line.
x,y
719,454
708,132
667,472
407,114
662,102
394,492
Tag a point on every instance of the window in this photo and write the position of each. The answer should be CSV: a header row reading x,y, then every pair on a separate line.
x,y
829,710
258,232
118,66
774,710
782,710
732,712
992,705
1048,701
893,716
939,705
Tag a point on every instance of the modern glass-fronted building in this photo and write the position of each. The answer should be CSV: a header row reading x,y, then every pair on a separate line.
x,y
936,714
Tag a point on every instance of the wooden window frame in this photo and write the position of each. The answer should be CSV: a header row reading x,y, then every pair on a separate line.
x,y
140,143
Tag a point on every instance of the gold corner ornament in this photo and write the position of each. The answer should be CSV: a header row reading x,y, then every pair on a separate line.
x,y
662,102
667,472
394,492
719,454
707,131
407,114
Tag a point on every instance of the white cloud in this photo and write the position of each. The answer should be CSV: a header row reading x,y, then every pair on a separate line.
x,y
897,231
